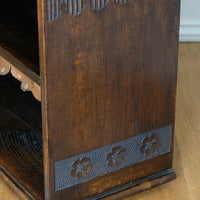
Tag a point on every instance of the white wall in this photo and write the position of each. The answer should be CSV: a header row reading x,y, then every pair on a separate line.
x,y
190,20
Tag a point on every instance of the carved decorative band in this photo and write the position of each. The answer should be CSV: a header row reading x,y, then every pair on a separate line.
x,y
121,1
26,83
98,5
109,158
74,7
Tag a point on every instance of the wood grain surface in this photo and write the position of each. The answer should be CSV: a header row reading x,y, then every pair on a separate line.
x,y
93,66
187,137
20,152
187,127
19,36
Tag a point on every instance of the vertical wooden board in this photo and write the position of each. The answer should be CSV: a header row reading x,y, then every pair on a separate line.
x,y
108,74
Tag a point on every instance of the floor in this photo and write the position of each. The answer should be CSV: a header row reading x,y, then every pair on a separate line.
x,y
187,135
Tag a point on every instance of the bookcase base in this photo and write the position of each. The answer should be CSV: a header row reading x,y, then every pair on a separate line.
x,y
124,191
137,186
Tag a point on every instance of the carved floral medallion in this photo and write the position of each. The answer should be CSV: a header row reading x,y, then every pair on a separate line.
x,y
116,157
80,168
149,144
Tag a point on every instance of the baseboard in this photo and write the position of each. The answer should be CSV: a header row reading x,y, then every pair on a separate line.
x,y
137,186
189,33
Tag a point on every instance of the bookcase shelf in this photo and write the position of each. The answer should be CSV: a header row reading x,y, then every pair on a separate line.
x,y
21,152
19,36
19,52
21,157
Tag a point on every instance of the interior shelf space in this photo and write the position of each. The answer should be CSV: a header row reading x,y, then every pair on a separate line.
x,y
21,152
19,37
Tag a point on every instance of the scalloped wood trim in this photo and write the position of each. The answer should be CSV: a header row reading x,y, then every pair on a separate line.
x,y
26,83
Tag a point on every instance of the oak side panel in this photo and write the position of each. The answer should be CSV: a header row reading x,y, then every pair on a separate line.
x,y
107,75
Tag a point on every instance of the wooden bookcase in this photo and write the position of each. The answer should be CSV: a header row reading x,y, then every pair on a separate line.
x,y
87,96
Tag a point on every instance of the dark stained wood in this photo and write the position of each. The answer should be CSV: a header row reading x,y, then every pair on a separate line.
x,y
26,83
104,72
116,179
108,73
24,110
142,185
21,154
19,36
21,157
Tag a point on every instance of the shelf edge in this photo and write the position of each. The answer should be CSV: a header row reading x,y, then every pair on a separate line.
x,y
27,84
19,65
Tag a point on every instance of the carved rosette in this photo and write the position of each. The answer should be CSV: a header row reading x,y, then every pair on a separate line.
x,y
26,83
149,144
116,157
80,168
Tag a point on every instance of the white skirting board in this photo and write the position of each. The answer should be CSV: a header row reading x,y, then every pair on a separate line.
x,y
189,33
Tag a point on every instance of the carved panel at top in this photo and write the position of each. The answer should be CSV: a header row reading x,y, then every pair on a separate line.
x,y
98,4
56,7
74,7
121,1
